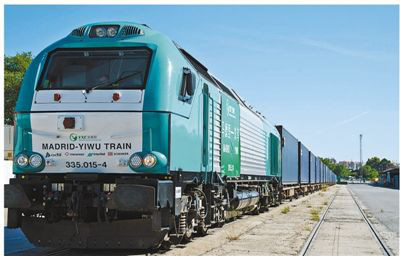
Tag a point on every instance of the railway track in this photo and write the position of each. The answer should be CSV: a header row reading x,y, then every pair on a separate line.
x,y
60,252
384,248
308,245
314,232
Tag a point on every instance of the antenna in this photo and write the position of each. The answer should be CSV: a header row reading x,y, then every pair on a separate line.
x,y
361,161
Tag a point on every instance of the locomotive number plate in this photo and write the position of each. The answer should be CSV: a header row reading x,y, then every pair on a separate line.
x,y
74,164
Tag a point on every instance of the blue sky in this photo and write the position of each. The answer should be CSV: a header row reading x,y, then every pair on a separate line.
x,y
328,73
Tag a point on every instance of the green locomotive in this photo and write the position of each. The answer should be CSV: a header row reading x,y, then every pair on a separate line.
x,y
125,140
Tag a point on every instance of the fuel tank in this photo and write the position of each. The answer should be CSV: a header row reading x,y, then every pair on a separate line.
x,y
244,199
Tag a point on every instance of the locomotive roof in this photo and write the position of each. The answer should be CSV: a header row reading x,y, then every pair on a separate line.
x,y
137,29
203,70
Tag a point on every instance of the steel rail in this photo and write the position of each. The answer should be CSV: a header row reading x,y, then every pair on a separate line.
x,y
315,230
386,251
60,252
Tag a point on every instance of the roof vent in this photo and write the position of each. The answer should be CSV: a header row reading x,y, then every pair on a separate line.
x,y
78,31
131,30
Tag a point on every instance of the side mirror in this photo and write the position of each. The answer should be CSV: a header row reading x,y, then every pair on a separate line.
x,y
191,83
191,87
188,84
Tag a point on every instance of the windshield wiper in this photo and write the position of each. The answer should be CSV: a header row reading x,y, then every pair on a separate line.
x,y
103,84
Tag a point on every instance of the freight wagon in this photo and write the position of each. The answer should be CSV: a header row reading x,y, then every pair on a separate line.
x,y
124,140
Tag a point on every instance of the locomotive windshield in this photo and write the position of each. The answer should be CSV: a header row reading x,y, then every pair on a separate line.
x,y
96,69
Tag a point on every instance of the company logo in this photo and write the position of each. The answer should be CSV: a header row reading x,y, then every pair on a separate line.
x,y
96,154
76,154
117,153
52,155
75,137
121,153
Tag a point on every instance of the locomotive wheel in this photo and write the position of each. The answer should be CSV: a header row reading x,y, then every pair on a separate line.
x,y
277,201
187,237
165,245
202,230
264,205
257,210
189,232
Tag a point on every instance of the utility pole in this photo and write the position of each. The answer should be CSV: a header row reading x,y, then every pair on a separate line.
x,y
361,161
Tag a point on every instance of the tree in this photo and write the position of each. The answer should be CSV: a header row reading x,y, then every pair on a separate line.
x,y
14,71
328,162
339,169
374,174
342,170
380,165
385,164
369,173
374,162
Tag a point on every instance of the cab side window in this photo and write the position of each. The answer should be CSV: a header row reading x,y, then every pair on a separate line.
x,y
188,86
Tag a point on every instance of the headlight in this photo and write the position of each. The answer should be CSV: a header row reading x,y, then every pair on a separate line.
x,y
22,160
101,32
149,160
136,161
35,160
111,31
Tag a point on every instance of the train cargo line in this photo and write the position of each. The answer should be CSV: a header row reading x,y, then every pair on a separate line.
x,y
124,140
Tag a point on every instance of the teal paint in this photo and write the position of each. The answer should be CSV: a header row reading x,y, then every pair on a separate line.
x,y
186,138
22,138
230,137
267,153
211,156
272,146
206,135
206,126
274,153
155,136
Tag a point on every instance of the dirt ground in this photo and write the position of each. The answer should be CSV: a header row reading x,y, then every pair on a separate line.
x,y
280,231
